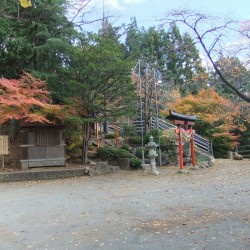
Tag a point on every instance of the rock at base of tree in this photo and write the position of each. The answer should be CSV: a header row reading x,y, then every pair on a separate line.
x,y
237,156
86,170
211,161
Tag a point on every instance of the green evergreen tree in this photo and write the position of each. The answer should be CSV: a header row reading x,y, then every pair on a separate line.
x,y
133,41
98,84
234,69
174,55
34,39
191,67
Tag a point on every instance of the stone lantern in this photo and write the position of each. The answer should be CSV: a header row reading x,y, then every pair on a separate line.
x,y
152,155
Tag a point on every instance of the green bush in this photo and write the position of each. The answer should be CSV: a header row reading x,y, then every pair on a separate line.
x,y
109,153
73,139
135,162
128,130
221,145
139,152
156,133
125,147
134,140
171,155
110,136
122,153
168,140
106,152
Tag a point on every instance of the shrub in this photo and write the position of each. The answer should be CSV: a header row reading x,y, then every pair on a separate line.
x,y
139,152
156,133
135,140
128,130
221,145
168,140
73,139
122,153
135,162
109,153
171,155
106,153
125,147
110,136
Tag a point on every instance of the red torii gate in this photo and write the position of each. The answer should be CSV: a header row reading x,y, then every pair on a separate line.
x,y
188,122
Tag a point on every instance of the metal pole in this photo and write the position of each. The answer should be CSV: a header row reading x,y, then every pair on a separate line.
x,y
157,120
142,134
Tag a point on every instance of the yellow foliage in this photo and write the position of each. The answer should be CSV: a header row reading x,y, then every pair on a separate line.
x,y
212,108
25,3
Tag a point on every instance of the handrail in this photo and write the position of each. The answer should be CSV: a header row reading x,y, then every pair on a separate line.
x,y
202,143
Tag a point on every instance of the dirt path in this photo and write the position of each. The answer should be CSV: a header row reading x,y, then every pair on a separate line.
x,y
205,209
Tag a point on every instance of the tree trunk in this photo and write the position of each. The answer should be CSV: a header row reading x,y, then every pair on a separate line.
x,y
85,141
105,127
12,130
146,108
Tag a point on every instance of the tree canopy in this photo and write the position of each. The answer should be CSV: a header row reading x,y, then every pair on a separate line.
x,y
219,118
26,98
33,39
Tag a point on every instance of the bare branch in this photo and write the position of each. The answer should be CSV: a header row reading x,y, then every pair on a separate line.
x,y
213,45
197,21
79,11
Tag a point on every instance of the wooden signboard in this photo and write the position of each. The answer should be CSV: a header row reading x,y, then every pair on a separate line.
x,y
4,145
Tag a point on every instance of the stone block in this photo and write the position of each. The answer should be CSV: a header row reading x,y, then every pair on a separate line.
x,y
115,168
183,171
124,163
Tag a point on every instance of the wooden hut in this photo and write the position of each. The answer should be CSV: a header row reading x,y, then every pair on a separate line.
x,y
42,145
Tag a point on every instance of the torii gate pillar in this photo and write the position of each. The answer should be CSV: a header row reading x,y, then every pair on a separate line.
x,y
188,123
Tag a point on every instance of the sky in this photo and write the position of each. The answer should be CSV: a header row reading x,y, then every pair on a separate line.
x,y
146,11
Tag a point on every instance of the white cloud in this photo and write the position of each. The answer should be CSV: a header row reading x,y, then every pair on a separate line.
x,y
119,4
134,1
114,4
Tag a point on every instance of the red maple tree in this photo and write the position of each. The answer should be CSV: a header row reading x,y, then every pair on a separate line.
x,y
25,98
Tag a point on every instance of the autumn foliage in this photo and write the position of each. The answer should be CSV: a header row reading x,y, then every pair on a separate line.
x,y
25,98
218,116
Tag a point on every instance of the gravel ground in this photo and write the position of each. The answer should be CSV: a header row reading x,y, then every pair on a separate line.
x,y
205,209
